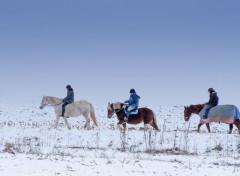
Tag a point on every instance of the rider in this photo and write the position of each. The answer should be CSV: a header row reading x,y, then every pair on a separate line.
x,y
133,103
69,99
213,101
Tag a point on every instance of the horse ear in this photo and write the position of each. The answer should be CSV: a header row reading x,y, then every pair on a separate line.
x,y
109,106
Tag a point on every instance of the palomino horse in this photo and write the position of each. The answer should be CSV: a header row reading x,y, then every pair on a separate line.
x,y
74,109
145,115
196,109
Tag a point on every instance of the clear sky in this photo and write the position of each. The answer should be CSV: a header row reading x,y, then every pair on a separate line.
x,y
170,51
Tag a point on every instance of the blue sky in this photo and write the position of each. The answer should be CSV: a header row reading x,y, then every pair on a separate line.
x,y
170,51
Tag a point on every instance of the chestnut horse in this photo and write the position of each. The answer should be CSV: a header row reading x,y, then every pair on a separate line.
x,y
145,115
196,109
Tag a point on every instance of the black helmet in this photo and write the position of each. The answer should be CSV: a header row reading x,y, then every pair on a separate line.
x,y
68,87
132,91
211,90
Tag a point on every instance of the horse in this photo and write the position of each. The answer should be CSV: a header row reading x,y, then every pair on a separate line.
x,y
74,109
145,115
196,109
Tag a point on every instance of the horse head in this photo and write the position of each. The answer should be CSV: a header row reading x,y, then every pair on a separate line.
x,y
44,102
110,110
187,113
192,109
113,107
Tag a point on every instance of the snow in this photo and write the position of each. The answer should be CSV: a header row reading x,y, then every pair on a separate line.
x,y
30,146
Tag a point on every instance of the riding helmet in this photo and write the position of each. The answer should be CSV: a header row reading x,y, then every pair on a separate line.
x,y
211,90
68,87
132,91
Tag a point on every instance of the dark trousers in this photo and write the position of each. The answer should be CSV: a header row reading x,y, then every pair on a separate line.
x,y
63,108
207,110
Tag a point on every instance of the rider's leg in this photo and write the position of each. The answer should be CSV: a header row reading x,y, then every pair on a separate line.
x,y
207,111
128,112
63,108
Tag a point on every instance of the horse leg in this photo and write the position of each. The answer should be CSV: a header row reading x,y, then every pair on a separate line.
x,y
124,126
208,127
230,128
87,124
237,124
145,127
66,122
199,125
56,121
119,127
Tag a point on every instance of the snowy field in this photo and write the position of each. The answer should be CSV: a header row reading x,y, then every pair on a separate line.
x,y
30,146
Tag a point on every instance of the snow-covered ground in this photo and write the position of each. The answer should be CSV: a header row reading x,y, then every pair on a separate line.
x,y
30,146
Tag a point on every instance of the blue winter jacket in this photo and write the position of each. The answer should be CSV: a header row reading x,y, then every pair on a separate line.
x,y
133,100
70,97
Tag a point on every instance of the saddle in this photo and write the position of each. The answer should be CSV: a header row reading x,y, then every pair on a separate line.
x,y
132,112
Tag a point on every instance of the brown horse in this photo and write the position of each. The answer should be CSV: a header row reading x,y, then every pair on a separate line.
x,y
145,115
196,109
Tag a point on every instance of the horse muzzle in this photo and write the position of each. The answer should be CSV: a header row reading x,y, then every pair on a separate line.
x,y
110,115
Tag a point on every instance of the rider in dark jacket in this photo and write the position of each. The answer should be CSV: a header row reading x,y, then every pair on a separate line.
x,y
69,99
133,103
213,101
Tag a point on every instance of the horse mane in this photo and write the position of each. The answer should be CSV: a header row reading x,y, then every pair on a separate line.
x,y
197,107
117,105
53,99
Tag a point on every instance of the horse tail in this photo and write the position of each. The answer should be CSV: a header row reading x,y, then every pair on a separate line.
x,y
155,122
92,114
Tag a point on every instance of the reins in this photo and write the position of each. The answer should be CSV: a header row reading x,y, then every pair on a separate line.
x,y
119,110
55,104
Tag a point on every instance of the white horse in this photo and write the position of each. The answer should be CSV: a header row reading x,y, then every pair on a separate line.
x,y
74,109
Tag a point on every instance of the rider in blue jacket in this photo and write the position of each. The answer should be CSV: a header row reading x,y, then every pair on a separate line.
x,y
69,99
133,103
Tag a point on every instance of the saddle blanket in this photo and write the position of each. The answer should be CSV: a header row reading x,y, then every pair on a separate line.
x,y
220,113
133,112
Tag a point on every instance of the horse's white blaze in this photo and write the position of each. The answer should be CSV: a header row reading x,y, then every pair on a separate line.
x,y
74,109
